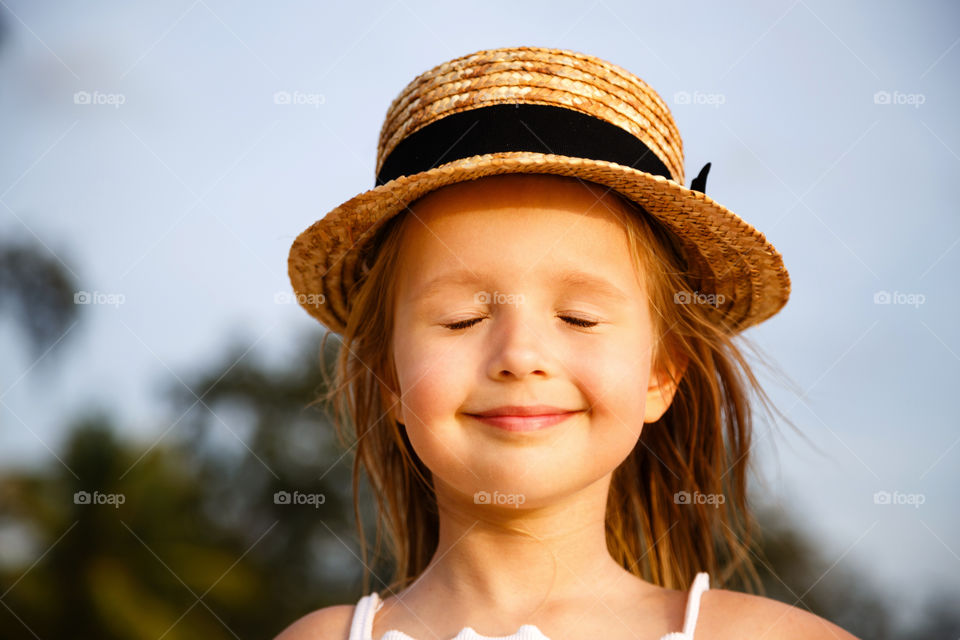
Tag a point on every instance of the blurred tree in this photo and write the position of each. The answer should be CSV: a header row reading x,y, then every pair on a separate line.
x,y
198,519
794,572
939,619
249,434
4,32
198,547
122,547
37,290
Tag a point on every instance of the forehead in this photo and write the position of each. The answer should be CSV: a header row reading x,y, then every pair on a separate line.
x,y
518,190
517,226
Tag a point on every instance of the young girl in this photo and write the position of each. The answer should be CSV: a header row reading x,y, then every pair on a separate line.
x,y
539,363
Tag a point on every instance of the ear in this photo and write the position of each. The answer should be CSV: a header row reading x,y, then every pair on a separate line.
x,y
662,388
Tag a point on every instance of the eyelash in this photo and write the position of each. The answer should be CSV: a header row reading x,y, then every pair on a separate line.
x,y
577,322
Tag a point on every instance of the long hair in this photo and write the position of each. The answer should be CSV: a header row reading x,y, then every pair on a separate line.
x,y
701,445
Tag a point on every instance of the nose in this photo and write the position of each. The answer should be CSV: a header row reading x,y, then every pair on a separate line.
x,y
519,348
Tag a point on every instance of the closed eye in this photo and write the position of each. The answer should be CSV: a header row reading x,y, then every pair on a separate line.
x,y
466,324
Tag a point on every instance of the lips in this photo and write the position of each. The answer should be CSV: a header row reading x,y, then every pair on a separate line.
x,y
520,410
520,418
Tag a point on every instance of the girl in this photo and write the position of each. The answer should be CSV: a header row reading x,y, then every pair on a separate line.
x,y
527,288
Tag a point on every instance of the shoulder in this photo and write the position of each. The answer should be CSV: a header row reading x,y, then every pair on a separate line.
x,y
329,623
731,614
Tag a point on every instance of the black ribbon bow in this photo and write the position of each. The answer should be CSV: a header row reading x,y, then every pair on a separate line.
x,y
700,182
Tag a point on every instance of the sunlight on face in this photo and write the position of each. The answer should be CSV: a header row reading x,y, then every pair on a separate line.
x,y
520,290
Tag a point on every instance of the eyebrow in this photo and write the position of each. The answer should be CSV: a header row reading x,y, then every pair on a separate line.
x,y
569,278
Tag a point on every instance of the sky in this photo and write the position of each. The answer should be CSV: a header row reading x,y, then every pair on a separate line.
x,y
143,147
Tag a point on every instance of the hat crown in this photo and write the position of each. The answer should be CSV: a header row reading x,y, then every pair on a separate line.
x,y
535,75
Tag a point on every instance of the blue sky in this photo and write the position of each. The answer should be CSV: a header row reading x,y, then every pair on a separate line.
x,y
181,185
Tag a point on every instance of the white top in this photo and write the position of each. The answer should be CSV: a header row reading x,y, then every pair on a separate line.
x,y
367,607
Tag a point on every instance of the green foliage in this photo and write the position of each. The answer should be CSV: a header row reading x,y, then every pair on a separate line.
x,y
196,546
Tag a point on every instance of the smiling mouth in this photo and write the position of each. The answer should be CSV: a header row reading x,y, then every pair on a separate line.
x,y
524,423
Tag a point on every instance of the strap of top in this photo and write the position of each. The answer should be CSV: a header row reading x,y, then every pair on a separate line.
x,y
362,626
700,584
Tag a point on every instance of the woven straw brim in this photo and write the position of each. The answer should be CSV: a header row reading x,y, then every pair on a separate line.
x,y
726,256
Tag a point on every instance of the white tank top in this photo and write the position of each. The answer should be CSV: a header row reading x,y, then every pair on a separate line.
x,y
367,607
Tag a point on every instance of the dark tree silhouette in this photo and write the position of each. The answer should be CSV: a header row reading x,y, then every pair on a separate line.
x,y
37,290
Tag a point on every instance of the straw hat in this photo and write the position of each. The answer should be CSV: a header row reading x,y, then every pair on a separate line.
x,y
538,110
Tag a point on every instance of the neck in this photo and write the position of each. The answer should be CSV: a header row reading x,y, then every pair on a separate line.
x,y
518,560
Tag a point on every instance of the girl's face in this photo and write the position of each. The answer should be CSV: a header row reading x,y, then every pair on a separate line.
x,y
520,290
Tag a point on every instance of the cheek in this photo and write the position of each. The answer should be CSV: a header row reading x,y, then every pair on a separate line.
x,y
615,379
431,377
435,381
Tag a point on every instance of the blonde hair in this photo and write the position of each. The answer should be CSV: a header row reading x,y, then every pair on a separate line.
x,y
701,444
